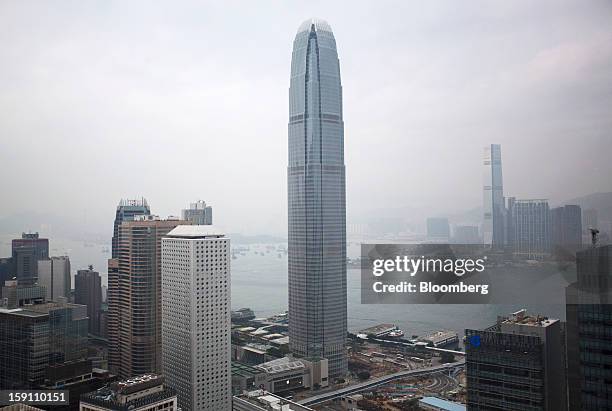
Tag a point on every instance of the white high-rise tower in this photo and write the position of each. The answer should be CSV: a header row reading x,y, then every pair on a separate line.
x,y
196,317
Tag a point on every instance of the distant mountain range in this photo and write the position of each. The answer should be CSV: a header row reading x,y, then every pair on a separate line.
x,y
602,202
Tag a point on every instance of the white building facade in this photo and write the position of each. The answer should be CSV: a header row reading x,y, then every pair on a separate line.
x,y
196,317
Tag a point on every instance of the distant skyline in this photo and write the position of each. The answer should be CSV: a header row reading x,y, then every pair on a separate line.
x,y
175,103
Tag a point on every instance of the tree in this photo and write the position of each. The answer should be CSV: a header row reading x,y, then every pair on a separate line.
x,y
363,375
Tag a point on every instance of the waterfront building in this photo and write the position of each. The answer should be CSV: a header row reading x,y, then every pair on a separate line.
x,y
196,322
26,251
566,228
438,229
88,291
530,225
466,234
517,364
198,213
126,211
589,327
134,297
316,200
140,393
54,275
493,198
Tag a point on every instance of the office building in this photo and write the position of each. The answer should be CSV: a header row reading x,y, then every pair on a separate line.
x,y
140,393
589,327
6,269
15,295
26,251
316,200
126,211
438,230
530,227
54,275
280,375
196,317
88,292
261,400
198,213
37,337
566,229
134,297
517,364
493,198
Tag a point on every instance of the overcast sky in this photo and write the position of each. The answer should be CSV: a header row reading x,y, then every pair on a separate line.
x,y
178,101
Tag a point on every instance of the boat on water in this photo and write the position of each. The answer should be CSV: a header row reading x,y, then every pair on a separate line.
x,y
397,333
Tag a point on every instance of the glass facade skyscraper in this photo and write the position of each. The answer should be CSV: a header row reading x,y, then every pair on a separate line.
x,y
316,199
493,197
126,211
589,327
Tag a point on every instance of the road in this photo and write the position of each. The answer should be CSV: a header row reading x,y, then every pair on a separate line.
x,y
375,382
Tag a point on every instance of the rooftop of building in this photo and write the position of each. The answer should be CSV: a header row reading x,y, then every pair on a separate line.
x,y
442,404
245,370
195,232
22,312
135,202
281,365
530,200
522,318
318,23
112,396
264,400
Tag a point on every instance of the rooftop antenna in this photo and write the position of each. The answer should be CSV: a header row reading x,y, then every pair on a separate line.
x,y
594,236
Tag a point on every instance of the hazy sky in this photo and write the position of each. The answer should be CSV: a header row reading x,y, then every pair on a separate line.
x,y
178,101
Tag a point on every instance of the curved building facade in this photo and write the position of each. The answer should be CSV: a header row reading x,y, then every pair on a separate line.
x,y
316,199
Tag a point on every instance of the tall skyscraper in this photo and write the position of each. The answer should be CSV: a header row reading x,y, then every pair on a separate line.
x,y
517,364
589,327
530,228
493,199
196,317
134,297
88,291
54,275
198,213
126,211
316,200
26,251
566,228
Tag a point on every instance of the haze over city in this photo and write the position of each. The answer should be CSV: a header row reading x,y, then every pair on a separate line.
x,y
111,100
